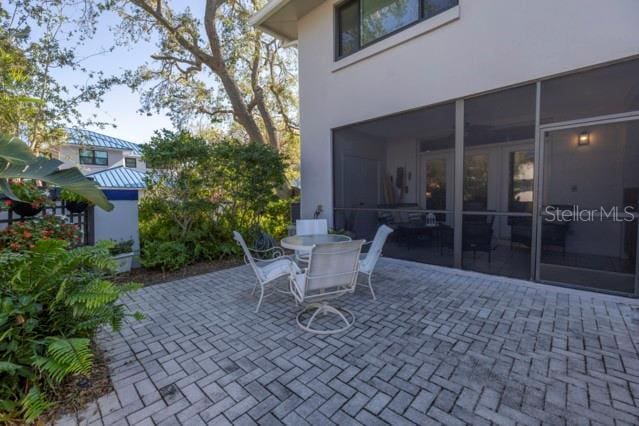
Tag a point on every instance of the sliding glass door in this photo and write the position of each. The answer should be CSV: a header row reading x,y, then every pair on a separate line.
x,y
589,200
499,158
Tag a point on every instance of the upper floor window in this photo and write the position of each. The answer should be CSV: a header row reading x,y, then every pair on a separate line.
x,y
130,163
94,157
363,22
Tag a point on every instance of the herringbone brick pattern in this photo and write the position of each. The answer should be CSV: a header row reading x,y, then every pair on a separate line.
x,y
437,347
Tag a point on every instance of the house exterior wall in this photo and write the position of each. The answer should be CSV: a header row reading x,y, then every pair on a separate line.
x,y
70,156
493,44
121,223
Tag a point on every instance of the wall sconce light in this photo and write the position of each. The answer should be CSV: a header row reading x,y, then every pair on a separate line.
x,y
584,139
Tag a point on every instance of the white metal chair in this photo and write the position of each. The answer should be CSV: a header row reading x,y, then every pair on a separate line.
x,y
309,227
369,260
266,270
331,273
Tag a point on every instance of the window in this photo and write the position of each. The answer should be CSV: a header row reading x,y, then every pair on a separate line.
x,y
348,28
381,17
94,157
362,22
131,163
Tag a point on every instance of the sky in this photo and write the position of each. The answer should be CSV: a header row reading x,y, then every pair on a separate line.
x,y
120,106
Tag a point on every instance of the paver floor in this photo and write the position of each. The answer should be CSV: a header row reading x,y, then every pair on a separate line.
x,y
438,346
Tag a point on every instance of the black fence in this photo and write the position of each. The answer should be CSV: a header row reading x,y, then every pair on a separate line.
x,y
84,220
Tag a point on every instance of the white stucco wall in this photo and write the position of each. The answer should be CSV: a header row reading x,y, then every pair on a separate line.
x,y
494,43
121,223
70,156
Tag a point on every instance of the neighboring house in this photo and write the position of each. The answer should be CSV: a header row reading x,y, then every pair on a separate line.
x,y
116,166
466,125
91,152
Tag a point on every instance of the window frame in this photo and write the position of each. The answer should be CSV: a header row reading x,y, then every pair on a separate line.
x,y
90,160
135,162
337,27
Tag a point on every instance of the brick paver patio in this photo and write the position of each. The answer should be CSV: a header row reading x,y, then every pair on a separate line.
x,y
437,347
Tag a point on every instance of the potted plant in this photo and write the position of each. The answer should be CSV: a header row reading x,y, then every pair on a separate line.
x,y
33,198
122,253
73,202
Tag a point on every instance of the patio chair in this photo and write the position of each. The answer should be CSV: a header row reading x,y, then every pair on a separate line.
x,y
369,260
309,227
331,273
266,270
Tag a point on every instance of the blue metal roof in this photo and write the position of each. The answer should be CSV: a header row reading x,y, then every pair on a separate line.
x,y
89,138
119,178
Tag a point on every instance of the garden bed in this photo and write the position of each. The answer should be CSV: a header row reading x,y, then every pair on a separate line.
x,y
77,392
148,277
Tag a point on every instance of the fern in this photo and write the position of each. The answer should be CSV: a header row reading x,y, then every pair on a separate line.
x,y
13,369
33,404
94,295
66,356
52,300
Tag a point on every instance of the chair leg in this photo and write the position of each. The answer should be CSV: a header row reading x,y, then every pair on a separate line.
x,y
370,286
259,303
323,309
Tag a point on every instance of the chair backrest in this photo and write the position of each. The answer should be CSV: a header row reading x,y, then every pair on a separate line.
x,y
247,255
332,268
311,227
368,263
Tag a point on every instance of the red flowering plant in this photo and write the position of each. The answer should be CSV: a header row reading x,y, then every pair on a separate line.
x,y
23,235
27,191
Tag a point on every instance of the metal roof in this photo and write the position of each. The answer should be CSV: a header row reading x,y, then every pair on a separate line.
x,y
89,138
119,178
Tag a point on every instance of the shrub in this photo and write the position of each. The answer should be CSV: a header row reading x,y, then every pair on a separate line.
x,y
121,247
167,255
23,235
52,301
69,196
199,192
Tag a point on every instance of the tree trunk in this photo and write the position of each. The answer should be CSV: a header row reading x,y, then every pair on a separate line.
x,y
216,63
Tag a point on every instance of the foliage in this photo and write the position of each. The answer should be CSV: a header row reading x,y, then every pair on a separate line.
x,y
23,235
27,191
52,301
66,195
18,162
276,217
167,255
215,69
15,78
247,176
121,247
40,40
199,192
180,180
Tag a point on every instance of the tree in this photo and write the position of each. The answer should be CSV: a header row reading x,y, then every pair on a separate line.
x,y
215,66
15,78
42,37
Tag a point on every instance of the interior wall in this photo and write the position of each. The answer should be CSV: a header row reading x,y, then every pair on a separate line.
x,y
589,177
403,153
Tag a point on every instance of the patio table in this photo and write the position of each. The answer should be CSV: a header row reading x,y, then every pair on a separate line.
x,y
306,242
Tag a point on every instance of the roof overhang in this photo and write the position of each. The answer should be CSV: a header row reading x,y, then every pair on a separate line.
x,y
279,17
